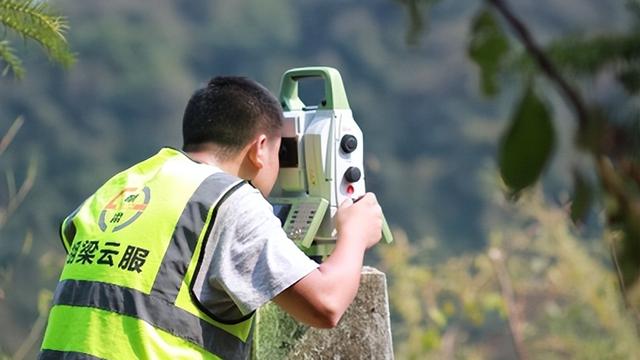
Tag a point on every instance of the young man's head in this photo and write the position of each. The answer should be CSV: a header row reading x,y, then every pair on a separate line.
x,y
238,121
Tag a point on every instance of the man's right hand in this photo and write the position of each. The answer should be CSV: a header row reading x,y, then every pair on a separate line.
x,y
361,221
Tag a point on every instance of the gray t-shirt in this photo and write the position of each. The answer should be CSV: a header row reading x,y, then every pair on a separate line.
x,y
248,257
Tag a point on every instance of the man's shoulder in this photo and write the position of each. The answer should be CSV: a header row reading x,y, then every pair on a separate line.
x,y
246,197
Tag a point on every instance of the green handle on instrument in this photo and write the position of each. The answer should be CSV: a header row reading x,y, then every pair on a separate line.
x,y
386,231
335,97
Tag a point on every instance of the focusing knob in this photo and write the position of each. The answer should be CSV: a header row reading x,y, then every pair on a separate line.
x,y
348,143
352,174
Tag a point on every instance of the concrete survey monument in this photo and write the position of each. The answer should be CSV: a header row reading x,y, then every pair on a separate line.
x,y
364,332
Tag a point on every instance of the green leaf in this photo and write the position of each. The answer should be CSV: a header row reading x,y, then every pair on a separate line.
x,y
417,19
582,198
35,20
44,301
437,316
527,144
487,48
12,62
431,339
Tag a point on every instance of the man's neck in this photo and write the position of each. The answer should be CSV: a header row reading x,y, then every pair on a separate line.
x,y
231,166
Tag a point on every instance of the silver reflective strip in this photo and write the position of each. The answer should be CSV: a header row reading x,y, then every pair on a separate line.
x,y
187,231
157,312
65,355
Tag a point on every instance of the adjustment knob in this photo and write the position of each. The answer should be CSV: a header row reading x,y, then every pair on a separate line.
x,y
352,174
348,143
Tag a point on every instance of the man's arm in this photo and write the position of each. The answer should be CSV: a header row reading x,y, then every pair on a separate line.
x,y
321,298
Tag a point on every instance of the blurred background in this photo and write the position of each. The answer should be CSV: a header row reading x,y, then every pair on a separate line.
x,y
477,271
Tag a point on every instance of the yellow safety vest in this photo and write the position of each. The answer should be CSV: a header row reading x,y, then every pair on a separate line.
x,y
135,248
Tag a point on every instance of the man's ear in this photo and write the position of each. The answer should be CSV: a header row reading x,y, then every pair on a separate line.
x,y
257,151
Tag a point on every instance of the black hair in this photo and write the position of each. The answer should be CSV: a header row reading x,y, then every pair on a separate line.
x,y
228,113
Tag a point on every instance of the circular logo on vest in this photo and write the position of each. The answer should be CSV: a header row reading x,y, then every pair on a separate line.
x,y
124,208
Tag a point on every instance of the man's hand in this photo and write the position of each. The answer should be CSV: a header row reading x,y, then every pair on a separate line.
x,y
320,298
360,221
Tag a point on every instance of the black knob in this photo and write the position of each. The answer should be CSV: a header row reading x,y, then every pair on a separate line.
x,y
348,143
352,174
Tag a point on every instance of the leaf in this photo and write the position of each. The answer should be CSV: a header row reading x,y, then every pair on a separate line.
x,y
44,301
35,20
487,48
11,60
417,20
580,55
437,316
582,198
527,144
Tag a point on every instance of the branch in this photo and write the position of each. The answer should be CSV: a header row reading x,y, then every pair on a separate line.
x,y
609,180
32,339
16,200
614,258
11,133
513,313
16,197
34,20
8,56
544,63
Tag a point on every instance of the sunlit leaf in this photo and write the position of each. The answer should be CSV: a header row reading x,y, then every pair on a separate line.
x,y
494,302
437,316
431,339
44,301
527,144
487,49
474,313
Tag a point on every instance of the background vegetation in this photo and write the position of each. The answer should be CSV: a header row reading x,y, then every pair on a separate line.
x,y
433,84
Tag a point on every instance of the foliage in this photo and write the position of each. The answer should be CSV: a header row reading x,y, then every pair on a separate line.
x,y
528,142
597,124
531,280
34,20
15,196
428,136
488,48
606,130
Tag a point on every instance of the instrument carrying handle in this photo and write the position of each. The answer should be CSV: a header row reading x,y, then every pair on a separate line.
x,y
335,96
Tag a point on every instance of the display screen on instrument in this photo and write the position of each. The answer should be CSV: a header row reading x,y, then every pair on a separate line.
x,y
288,153
281,211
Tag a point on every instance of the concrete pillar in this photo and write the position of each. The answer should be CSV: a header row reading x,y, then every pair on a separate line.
x,y
364,332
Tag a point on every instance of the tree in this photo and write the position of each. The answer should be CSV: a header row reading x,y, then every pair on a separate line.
x,y
606,131
523,297
33,20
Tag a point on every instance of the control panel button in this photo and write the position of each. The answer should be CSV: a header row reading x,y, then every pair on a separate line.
x,y
348,143
352,174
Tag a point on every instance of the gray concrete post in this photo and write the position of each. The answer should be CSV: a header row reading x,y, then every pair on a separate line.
x,y
364,332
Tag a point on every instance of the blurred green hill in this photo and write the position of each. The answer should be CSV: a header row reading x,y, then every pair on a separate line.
x,y
430,136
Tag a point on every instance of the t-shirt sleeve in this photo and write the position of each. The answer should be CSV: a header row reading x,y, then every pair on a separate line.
x,y
254,259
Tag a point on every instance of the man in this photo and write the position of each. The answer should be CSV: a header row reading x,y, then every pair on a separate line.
x,y
171,257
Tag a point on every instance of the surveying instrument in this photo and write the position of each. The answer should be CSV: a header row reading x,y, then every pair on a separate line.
x,y
321,162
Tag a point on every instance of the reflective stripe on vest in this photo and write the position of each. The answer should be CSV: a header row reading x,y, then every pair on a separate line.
x,y
141,304
67,355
